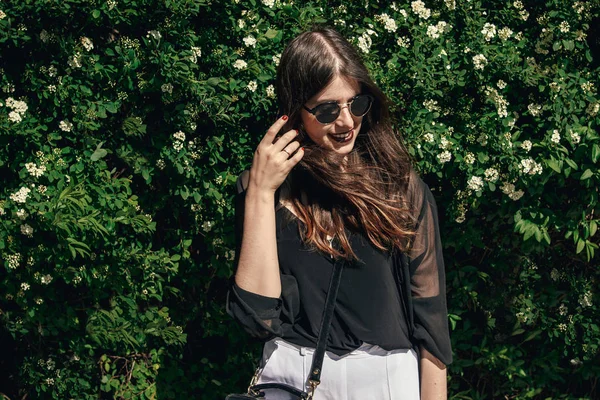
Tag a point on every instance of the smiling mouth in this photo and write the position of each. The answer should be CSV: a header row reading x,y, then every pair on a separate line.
x,y
342,137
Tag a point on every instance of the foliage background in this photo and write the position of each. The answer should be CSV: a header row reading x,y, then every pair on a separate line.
x,y
124,124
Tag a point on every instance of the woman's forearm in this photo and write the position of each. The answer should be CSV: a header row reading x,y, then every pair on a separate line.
x,y
258,267
433,377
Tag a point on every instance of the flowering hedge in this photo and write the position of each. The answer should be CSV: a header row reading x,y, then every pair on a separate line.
x,y
124,124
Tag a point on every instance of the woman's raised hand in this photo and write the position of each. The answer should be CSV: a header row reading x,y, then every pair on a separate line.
x,y
273,161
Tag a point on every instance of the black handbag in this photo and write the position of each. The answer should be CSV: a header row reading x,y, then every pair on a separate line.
x,y
256,391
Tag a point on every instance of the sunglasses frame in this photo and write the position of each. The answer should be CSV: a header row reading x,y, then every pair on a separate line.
x,y
349,104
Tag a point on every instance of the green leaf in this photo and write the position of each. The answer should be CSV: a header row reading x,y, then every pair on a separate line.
x,y
595,153
552,163
593,228
580,246
96,14
98,154
271,33
586,175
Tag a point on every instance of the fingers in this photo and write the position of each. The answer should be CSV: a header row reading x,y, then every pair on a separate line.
x,y
272,131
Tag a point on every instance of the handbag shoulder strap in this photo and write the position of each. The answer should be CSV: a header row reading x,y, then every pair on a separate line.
x,y
317,363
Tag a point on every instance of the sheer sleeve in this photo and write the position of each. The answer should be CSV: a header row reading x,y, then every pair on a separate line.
x,y
261,316
427,275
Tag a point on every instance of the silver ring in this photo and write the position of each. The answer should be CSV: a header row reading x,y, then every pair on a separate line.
x,y
286,152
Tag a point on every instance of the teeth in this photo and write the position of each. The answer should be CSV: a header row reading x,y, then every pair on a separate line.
x,y
341,135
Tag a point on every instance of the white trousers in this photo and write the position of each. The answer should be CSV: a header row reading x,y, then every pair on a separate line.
x,y
368,372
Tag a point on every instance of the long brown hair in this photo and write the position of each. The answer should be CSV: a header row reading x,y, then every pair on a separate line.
x,y
368,196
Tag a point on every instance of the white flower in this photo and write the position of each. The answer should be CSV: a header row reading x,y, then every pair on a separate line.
x,y
403,41
154,34
52,71
444,156
432,32
27,230
207,226
593,109
529,166
469,158
276,58
587,87
428,137
555,136
160,163
15,117
431,105
39,301
491,174
388,22
365,42
270,91
22,214
166,88
451,4
44,36
75,60
13,260
250,41
419,8
2,14
196,53
535,109
25,286
564,27
269,3
21,195
475,183
505,33
488,31
241,23
482,139
86,43
179,135
509,189
585,300
34,170
526,145
111,4
501,84
252,86
65,126
46,279
479,61
240,64
575,138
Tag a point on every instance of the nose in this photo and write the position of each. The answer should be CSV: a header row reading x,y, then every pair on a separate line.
x,y
345,117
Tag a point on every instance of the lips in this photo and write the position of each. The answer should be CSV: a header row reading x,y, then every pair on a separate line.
x,y
342,137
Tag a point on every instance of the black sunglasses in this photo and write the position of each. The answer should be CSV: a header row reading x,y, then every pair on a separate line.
x,y
328,112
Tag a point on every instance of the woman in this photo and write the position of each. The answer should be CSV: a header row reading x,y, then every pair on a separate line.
x,y
329,180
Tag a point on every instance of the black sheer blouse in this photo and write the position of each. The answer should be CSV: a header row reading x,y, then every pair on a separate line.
x,y
368,307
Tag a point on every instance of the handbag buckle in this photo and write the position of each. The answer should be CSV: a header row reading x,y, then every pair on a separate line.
x,y
313,386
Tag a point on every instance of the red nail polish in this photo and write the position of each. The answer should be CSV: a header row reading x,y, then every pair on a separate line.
x,y
285,117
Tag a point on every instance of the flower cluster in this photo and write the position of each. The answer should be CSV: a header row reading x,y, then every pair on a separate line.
x,y
365,41
196,53
27,230
179,138
475,183
18,109
488,31
505,33
526,145
444,157
252,86
240,64
403,41
535,109
529,166
65,126
389,24
419,8
434,31
13,260
509,189
34,170
479,61
555,138
501,103
250,41
86,43
270,91
21,195
491,175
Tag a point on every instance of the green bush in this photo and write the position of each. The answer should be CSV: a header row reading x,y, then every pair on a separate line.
x,y
124,125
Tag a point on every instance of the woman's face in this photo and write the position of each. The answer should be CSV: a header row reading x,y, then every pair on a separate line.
x,y
339,135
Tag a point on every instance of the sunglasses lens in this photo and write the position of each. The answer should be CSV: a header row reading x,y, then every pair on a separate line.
x,y
327,113
361,105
